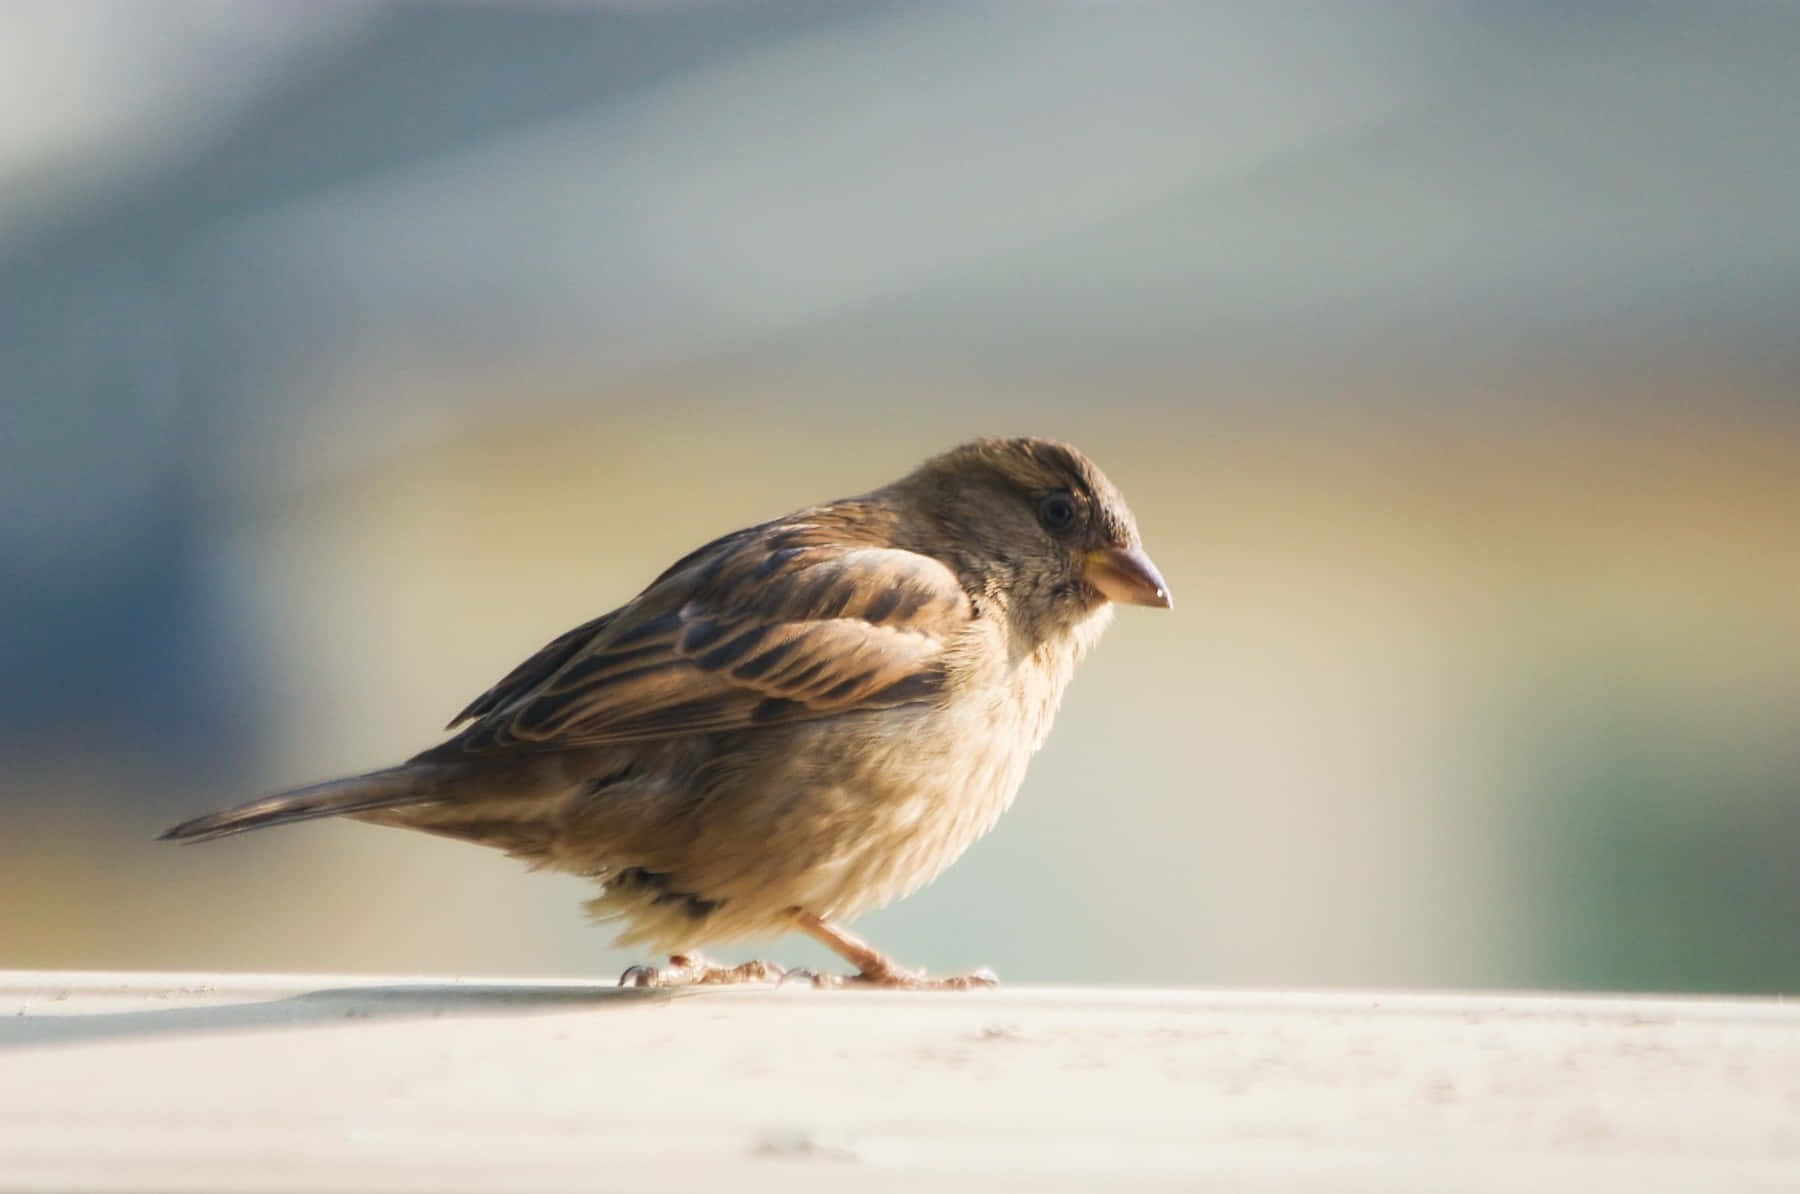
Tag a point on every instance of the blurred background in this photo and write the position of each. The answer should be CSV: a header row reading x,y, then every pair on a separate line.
x,y
1447,353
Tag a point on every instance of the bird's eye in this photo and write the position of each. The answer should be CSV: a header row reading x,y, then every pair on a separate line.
x,y
1056,511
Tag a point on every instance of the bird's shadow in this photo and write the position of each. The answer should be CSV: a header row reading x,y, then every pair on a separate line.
x,y
325,1006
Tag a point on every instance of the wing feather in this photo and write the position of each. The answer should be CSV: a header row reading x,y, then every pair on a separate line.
x,y
788,623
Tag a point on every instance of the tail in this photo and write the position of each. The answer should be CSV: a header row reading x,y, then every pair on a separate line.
x,y
409,783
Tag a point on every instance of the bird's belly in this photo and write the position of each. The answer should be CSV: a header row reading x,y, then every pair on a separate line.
x,y
839,817
902,824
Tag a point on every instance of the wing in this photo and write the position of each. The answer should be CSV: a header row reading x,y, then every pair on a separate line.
x,y
533,671
781,623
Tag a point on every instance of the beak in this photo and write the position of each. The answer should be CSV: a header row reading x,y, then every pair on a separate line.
x,y
1126,575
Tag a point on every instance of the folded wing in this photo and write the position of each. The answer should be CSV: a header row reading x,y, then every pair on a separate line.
x,y
758,628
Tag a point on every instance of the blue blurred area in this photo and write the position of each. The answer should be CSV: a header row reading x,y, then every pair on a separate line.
x,y
1447,350
127,366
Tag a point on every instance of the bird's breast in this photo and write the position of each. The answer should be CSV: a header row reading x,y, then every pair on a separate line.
x,y
933,779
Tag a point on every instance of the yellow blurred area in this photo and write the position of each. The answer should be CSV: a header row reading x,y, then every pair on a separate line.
x,y
1363,747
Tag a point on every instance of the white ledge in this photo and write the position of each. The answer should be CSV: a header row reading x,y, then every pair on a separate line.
x,y
211,1082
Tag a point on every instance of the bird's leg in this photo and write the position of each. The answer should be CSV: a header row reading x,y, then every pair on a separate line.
x,y
692,970
876,969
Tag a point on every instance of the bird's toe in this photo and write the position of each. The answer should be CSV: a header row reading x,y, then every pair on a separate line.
x,y
692,970
899,979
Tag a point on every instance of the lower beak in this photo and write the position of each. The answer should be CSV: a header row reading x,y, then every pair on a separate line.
x,y
1126,575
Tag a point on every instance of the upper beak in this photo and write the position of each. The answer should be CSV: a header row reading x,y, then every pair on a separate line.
x,y
1126,575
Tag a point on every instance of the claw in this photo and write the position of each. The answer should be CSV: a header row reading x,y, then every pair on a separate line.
x,y
641,976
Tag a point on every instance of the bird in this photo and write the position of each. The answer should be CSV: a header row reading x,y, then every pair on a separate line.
x,y
794,724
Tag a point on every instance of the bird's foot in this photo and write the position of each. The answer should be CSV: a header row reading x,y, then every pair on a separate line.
x,y
692,970
899,978
876,969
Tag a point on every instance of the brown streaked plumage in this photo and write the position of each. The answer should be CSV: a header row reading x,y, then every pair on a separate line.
x,y
794,724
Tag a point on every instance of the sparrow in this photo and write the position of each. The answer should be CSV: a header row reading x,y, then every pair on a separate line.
x,y
792,725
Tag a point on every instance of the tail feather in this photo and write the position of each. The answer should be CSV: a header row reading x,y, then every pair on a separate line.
x,y
412,783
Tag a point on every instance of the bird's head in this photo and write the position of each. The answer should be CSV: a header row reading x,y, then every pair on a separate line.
x,y
1034,523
